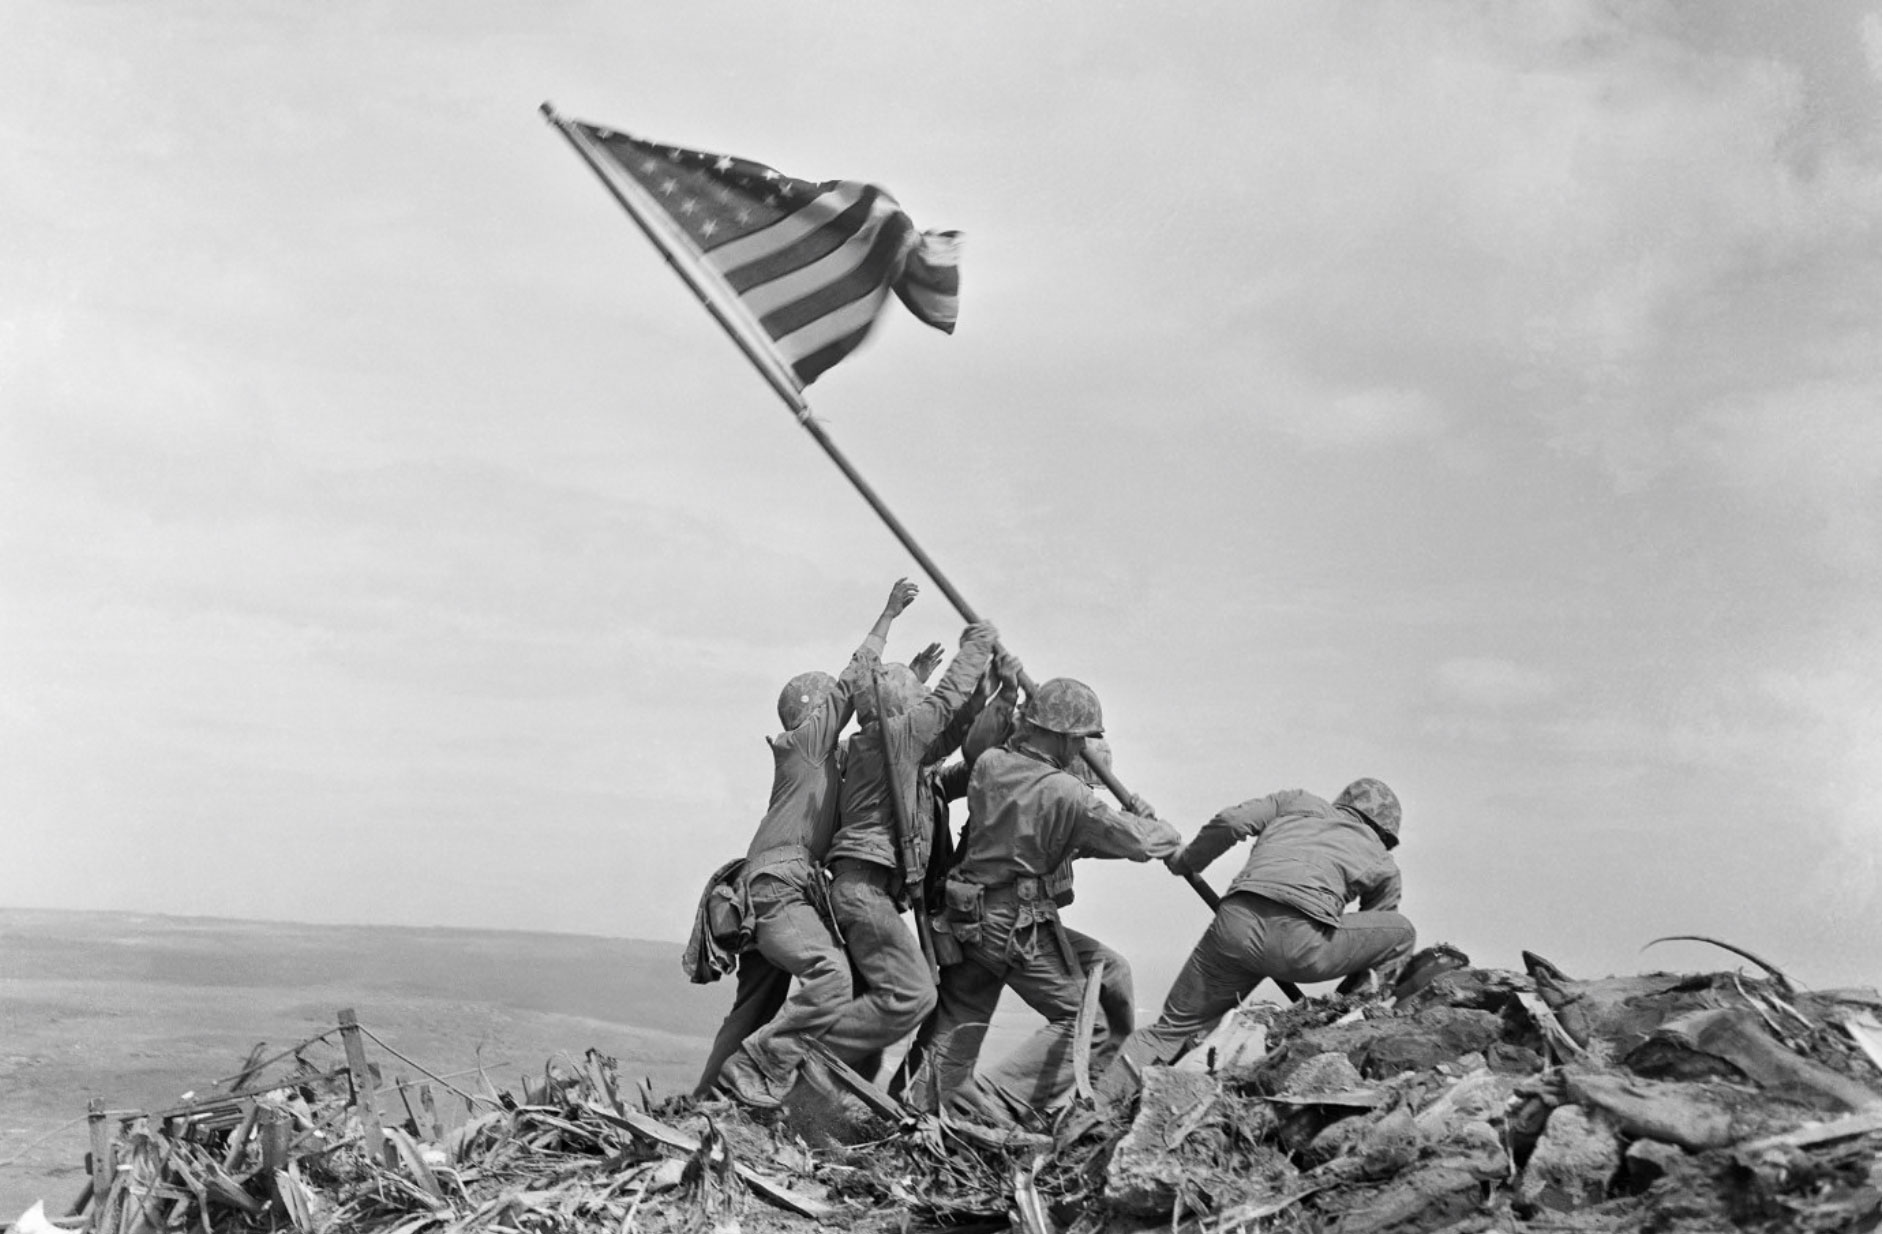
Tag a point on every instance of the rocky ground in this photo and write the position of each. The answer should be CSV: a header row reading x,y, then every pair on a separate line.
x,y
1463,1100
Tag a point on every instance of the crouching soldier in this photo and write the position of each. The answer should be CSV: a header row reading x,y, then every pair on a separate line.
x,y
783,886
1282,918
1028,818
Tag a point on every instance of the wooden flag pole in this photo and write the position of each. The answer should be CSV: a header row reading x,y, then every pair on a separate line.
x,y
785,386
768,365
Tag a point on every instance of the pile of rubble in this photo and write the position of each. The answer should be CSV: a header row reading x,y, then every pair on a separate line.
x,y
1486,1100
1466,1100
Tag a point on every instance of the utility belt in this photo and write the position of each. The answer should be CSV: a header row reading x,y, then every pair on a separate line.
x,y
881,877
790,864
1031,899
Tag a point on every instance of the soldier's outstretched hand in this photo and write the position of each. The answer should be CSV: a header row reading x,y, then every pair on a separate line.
x,y
1140,807
901,596
926,661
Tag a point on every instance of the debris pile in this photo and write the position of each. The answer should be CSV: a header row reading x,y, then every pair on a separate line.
x,y
1464,1100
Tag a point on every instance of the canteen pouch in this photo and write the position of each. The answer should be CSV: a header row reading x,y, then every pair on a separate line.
x,y
962,910
942,941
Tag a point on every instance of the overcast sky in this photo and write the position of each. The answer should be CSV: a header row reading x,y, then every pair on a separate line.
x,y
1483,397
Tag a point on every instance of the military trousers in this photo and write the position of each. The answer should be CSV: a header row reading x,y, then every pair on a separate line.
x,y
761,992
1028,960
792,939
1254,937
893,993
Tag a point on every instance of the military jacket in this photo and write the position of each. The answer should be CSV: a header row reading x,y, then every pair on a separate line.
x,y
1308,854
805,768
1027,819
904,746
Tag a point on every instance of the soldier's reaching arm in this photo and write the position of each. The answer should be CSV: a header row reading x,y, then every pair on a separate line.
x,y
856,675
1101,830
1381,890
929,719
1229,827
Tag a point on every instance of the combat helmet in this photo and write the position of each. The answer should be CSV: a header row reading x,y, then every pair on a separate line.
x,y
900,690
1373,801
802,695
1065,706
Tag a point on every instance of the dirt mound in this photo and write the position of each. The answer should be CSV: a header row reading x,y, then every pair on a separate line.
x,y
1469,1100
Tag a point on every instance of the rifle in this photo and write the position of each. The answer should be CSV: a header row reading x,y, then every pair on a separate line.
x,y
905,834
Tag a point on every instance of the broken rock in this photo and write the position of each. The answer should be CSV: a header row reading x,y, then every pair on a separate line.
x,y
1573,1162
1421,1200
1682,1114
1648,1161
1389,1045
1737,1036
1188,1142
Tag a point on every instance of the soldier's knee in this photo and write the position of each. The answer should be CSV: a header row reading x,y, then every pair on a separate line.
x,y
1117,973
921,1005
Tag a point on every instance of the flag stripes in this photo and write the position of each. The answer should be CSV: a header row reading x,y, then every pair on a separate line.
x,y
810,265
868,278
825,239
815,348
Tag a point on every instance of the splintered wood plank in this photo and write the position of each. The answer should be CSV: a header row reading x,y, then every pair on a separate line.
x,y
363,1089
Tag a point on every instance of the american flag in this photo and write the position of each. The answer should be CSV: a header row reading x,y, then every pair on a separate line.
x,y
810,264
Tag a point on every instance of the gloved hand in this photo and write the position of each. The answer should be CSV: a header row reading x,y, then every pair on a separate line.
x,y
981,633
1008,668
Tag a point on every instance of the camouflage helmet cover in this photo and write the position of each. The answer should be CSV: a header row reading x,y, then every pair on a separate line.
x,y
901,691
1373,801
802,695
1065,706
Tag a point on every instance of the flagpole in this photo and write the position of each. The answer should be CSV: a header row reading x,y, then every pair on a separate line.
x,y
682,266
786,388
767,365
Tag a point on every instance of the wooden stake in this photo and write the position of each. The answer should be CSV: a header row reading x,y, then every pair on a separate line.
x,y
436,1125
363,1088
100,1160
275,1130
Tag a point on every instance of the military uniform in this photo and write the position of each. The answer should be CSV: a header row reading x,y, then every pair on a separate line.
x,y
1282,917
1027,820
873,877
786,900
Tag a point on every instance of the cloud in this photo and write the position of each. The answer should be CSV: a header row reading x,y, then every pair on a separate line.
x,y
1494,684
1811,447
1360,418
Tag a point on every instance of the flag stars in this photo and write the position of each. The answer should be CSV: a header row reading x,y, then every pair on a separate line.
x,y
689,205
722,163
708,227
668,186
